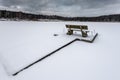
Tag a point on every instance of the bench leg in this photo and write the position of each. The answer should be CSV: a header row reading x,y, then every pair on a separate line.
x,y
84,34
70,32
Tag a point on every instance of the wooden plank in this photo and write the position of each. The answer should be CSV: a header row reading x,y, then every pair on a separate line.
x,y
77,26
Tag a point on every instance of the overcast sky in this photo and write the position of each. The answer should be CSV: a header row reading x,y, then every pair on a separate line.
x,y
65,7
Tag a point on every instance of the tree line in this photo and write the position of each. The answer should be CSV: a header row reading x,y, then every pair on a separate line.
x,y
13,15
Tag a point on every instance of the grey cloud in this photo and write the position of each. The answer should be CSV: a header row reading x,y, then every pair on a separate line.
x,y
73,7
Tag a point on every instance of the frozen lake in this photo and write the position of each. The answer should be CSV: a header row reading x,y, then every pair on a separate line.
x,y
24,42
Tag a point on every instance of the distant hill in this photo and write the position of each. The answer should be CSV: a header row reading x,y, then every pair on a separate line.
x,y
16,15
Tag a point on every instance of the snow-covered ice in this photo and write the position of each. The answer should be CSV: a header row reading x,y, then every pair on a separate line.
x,y
22,43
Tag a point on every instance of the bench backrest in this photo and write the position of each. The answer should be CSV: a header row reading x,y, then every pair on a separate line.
x,y
85,27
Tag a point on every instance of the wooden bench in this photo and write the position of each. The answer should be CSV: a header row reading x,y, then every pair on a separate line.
x,y
82,28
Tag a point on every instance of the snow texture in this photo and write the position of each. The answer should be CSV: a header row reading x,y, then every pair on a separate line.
x,y
22,43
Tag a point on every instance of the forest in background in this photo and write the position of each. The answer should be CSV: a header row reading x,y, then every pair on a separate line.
x,y
14,15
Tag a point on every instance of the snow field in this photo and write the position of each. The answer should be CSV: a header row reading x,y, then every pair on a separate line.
x,y
25,42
